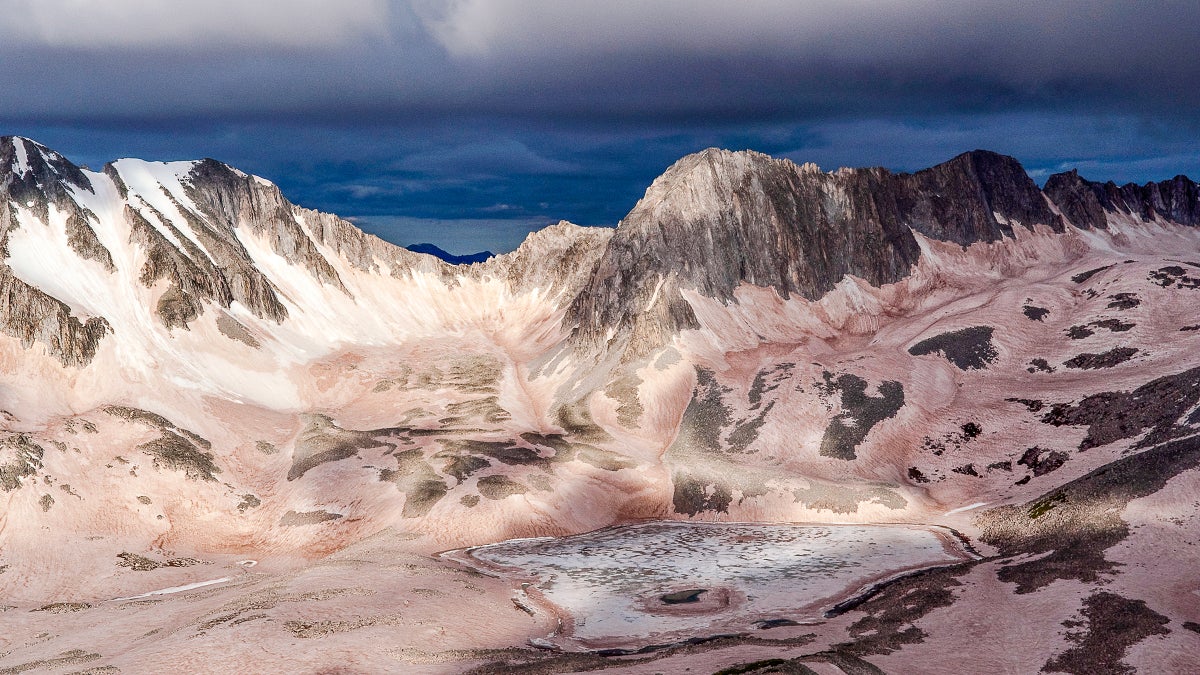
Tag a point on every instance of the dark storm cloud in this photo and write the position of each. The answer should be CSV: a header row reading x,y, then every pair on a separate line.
x,y
520,112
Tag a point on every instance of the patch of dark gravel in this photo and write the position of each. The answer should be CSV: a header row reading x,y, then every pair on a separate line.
x,y
952,440
968,349
1123,301
1085,331
860,413
894,610
1031,404
1041,461
746,431
300,518
1079,332
545,662
768,624
693,495
1084,276
1114,325
415,477
843,662
499,486
1039,364
177,453
24,459
1108,359
1157,405
1035,313
137,562
706,415
1174,275
1110,625
323,441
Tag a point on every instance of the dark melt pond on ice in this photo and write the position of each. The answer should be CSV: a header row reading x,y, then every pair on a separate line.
x,y
674,579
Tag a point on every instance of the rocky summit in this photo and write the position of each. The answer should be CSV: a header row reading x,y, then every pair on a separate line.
x,y
239,435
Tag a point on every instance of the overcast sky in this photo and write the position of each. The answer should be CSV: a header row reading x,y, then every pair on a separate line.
x,y
469,122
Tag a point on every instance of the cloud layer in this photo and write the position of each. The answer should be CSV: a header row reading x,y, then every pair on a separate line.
x,y
156,24
531,110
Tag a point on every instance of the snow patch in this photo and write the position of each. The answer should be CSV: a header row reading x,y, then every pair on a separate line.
x,y
21,161
159,185
38,255
968,507
176,589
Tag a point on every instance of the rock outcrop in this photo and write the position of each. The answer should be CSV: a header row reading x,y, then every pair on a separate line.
x,y
1087,204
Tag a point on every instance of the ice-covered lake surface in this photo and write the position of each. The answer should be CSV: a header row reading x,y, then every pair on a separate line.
x,y
650,582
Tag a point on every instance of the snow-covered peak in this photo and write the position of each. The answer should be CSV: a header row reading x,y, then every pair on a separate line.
x,y
27,155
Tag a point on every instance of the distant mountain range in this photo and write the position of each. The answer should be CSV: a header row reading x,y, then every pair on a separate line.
x,y
435,251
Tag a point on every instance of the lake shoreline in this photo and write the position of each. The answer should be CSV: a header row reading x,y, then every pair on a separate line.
x,y
735,613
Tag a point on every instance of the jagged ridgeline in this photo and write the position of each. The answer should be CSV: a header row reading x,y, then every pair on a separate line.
x,y
199,235
719,219
143,251
714,221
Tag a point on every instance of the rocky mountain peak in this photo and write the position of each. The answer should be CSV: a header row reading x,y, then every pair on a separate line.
x,y
27,161
976,196
718,219
703,181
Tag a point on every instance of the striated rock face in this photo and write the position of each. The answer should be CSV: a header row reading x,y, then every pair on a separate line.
x,y
1088,203
32,316
977,196
718,219
196,233
231,199
201,234
712,222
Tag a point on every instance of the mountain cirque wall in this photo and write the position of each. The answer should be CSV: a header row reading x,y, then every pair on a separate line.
x,y
195,369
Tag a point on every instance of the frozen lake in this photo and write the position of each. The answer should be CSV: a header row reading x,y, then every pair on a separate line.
x,y
664,580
